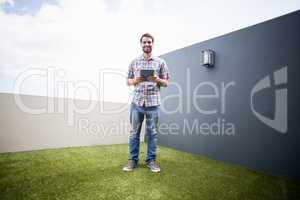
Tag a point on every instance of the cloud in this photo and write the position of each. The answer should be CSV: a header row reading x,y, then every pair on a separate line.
x,y
10,2
83,37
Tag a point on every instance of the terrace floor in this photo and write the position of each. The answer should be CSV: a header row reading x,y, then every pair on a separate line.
x,y
96,173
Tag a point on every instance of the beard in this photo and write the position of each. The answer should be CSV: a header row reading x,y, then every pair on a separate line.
x,y
147,49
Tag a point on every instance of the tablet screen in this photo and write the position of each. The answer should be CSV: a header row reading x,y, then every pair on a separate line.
x,y
146,73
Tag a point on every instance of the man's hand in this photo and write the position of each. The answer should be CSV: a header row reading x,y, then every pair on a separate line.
x,y
153,79
135,81
157,80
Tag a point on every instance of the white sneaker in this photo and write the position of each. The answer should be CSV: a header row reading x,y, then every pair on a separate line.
x,y
153,166
130,166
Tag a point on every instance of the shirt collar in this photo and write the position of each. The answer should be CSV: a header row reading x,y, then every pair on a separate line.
x,y
150,58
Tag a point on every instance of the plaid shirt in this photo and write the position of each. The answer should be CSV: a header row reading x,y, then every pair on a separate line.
x,y
146,93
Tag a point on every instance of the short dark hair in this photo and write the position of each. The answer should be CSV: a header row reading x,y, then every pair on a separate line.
x,y
147,35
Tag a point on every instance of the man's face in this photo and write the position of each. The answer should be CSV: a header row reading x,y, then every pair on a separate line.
x,y
147,44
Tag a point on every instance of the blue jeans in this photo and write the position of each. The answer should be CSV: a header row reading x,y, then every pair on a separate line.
x,y
137,114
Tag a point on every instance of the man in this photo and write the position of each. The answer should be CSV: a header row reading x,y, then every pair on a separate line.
x,y
145,103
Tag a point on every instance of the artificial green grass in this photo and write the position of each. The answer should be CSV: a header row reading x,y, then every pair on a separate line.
x,y
96,173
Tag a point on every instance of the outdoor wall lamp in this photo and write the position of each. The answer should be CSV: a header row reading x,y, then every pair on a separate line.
x,y
208,58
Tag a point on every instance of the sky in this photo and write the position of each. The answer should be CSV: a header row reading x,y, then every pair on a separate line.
x,y
87,45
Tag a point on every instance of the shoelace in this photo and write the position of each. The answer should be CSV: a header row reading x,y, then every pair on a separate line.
x,y
130,163
153,164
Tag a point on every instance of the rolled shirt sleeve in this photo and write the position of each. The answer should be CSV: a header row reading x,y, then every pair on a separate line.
x,y
131,70
164,71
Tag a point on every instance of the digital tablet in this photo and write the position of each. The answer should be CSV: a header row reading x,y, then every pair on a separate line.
x,y
145,73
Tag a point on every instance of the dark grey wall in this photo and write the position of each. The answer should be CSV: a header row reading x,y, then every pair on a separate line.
x,y
243,58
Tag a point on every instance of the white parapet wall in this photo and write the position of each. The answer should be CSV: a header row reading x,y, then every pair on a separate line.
x,y
35,122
